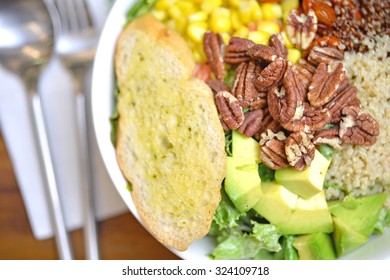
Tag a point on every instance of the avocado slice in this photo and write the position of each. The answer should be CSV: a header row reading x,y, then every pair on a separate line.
x,y
245,147
276,204
308,182
316,246
310,216
242,182
346,239
292,214
359,213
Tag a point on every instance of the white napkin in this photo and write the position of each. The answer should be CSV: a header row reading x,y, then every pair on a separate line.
x,y
59,106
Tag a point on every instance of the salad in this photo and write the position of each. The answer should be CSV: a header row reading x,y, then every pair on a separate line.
x,y
294,117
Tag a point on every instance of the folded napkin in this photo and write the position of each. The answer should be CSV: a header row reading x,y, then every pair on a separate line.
x,y
59,106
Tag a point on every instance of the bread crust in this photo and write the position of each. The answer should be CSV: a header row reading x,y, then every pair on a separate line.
x,y
170,144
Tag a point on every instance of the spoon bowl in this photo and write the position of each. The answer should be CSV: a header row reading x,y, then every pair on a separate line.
x,y
26,44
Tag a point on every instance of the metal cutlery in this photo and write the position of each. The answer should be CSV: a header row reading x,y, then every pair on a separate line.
x,y
75,47
27,36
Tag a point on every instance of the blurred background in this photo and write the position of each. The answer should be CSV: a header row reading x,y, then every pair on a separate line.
x,y
26,231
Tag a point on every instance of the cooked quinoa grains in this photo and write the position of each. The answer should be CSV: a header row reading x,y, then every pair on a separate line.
x,y
359,170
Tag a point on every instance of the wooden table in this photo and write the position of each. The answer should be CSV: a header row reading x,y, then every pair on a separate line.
x,y
120,238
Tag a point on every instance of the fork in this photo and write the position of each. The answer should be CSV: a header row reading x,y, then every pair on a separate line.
x,y
75,47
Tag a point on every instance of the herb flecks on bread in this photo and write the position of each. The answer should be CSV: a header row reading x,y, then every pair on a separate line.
x,y
170,143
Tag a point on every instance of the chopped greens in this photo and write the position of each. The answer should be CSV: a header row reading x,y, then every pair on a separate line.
x,y
140,8
327,151
266,174
228,143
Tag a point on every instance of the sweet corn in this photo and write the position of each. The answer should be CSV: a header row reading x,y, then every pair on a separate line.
x,y
225,37
271,11
163,4
288,5
293,55
242,32
174,12
245,12
161,15
234,3
286,40
269,26
235,19
256,12
186,7
197,16
259,37
209,5
220,20
196,30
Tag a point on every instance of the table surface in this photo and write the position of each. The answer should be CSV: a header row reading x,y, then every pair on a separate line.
x,y
120,238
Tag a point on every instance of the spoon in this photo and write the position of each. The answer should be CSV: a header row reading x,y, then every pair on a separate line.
x,y
27,37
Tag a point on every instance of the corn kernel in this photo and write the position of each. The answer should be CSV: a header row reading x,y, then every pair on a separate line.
x,y
269,26
196,30
293,55
209,5
286,40
163,4
197,16
186,7
259,37
161,15
235,19
271,11
220,20
181,24
225,37
174,12
257,13
242,32
288,5
201,53
245,11
234,3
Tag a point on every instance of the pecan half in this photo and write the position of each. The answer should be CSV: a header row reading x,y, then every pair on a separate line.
x,y
236,50
272,150
282,103
307,119
304,71
325,82
259,102
276,42
357,127
299,150
252,122
292,83
262,53
346,95
217,85
268,123
325,55
301,28
213,46
271,75
229,109
243,87
328,136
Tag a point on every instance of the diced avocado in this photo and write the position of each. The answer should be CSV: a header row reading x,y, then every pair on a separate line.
x,y
346,239
359,213
292,214
310,216
276,204
242,182
316,246
308,182
245,147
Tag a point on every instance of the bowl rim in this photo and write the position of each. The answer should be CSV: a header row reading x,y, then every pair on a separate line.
x,y
101,107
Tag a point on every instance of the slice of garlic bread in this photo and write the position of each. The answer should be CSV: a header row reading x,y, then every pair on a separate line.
x,y
170,143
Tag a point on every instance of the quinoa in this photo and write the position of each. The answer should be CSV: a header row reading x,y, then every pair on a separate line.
x,y
359,170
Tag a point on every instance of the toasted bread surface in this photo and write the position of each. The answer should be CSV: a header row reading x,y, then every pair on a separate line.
x,y
170,144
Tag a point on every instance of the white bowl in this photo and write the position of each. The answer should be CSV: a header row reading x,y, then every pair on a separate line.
x,y
102,107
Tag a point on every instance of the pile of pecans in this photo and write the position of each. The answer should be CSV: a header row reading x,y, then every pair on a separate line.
x,y
339,23
288,108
